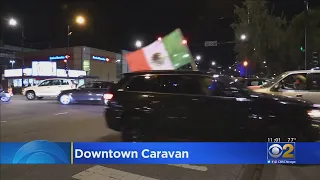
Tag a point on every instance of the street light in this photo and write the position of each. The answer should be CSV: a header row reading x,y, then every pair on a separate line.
x,y
184,41
80,20
138,44
13,22
213,63
243,37
12,62
230,67
198,57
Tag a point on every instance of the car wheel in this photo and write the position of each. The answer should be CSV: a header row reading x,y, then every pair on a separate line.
x,y
5,99
65,99
30,95
131,134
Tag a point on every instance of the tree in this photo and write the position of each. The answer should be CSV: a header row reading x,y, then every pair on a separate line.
x,y
265,34
296,36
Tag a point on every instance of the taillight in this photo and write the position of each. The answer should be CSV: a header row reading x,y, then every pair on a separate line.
x,y
107,96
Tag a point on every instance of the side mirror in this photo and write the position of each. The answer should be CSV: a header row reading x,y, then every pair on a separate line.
x,y
276,87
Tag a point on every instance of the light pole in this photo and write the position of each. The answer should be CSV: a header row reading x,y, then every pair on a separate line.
x,y
305,32
12,62
13,22
245,64
80,20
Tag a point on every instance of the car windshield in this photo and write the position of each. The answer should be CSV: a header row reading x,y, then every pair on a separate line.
x,y
274,80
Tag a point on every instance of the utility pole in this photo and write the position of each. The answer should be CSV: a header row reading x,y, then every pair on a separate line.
x,y
22,52
305,33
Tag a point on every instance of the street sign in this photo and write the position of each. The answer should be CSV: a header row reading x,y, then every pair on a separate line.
x,y
210,43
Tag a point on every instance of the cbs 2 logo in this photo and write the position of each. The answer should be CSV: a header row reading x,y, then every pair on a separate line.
x,y
285,151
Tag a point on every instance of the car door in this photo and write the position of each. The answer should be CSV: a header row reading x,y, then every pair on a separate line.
x,y
175,107
83,93
313,94
294,85
56,87
44,88
97,91
216,114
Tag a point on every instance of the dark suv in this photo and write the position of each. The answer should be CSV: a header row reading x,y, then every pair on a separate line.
x,y
189,105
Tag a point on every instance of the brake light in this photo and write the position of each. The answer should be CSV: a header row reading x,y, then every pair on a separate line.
x,y
107,96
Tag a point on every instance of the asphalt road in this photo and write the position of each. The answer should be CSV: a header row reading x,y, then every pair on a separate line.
x,y
23,120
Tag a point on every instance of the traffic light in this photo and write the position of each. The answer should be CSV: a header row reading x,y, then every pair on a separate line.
x,y
315,58
301,48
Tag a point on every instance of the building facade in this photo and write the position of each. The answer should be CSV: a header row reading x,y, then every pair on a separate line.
x,y
95,62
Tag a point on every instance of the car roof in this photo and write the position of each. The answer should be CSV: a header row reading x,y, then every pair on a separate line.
x,y
100,81
57,79
164,72
304,71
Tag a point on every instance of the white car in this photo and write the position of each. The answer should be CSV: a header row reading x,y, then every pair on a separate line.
x,y
49,88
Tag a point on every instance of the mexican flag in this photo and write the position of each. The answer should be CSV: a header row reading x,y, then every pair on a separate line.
x,y
166,54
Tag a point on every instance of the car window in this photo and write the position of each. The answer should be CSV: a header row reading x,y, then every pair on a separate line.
x,y
100,85
226,87
144,83
46,83
314,82
56,82
64,82
294,82
184,84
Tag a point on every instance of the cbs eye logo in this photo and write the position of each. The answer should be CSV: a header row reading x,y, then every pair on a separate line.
x,y
40,152
283,150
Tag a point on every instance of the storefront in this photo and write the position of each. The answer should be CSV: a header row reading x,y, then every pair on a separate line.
x,y
40,70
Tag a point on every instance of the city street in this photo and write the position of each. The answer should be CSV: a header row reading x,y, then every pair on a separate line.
x,y
46,119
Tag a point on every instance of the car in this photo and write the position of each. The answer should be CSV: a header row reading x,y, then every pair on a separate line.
x,y
190,106
301,84
49,88
91,92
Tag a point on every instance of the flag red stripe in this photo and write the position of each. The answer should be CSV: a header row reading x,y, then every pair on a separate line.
x,y
137,61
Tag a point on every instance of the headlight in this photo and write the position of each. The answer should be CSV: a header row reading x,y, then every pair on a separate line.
x,y
314,113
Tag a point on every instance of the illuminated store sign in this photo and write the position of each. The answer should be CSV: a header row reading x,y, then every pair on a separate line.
x,y
100,58
58,57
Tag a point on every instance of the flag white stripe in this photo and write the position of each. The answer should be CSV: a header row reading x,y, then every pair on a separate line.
x,y
163,62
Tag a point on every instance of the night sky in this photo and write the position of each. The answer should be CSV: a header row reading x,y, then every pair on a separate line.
x,y
115,25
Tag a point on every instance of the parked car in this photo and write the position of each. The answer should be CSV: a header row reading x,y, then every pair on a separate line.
x,y
91,92
302,84
188,105
49,88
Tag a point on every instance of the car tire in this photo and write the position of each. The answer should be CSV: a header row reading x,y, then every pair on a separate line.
x,y
65,99
31,95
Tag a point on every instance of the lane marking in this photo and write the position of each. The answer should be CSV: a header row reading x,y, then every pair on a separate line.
x,y
193,167
61,113
104,173
3,121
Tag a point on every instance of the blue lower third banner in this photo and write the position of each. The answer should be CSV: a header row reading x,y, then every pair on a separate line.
x,y
45,152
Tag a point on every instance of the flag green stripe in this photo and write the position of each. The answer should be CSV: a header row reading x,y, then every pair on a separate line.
x,y
179,53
